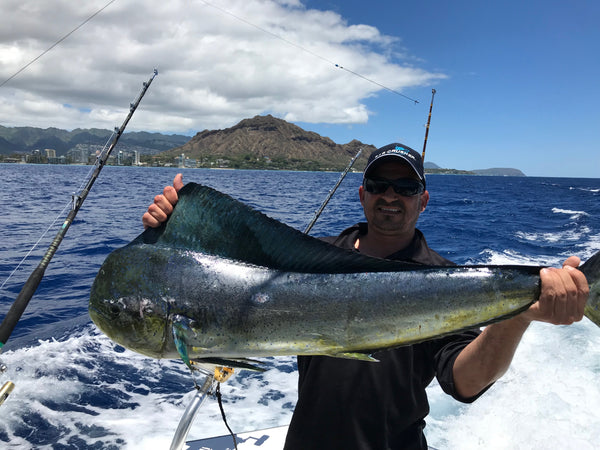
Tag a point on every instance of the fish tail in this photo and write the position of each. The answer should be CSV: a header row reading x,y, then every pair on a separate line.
x,y
591,270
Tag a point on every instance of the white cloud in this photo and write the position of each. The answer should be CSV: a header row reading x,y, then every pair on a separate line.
x,y
218,63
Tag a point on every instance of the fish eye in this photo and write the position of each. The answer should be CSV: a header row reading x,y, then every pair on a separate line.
x,y
114,311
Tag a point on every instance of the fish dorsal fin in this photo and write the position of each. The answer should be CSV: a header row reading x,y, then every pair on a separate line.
x,y
208,221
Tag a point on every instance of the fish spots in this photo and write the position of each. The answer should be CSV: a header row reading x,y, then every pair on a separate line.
x,y
260,298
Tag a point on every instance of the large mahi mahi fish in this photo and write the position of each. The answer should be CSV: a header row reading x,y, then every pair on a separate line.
x,y
220,282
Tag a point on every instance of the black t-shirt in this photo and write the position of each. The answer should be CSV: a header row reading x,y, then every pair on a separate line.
x,y
349,404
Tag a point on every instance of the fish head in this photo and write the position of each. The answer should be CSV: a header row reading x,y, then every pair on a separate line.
x,y
131,322
131,313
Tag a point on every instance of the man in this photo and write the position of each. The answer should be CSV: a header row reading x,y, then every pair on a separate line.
x,y
348,404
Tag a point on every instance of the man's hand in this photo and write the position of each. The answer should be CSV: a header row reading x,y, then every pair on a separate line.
x,y
159,211
562,300
563,296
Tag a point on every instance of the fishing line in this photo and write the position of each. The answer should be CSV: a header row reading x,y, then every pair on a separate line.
x,y
98,158
316,55
331,192
20,304
68,205
220,401
57,42
60,214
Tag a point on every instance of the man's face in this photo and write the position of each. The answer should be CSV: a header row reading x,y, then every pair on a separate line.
x,y
390,213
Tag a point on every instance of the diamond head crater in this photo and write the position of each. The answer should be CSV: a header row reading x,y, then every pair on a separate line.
x,y
261,142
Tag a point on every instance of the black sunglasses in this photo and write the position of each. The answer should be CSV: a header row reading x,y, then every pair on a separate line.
x,y
406,187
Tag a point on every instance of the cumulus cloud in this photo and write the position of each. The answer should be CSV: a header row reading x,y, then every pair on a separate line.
x,y
218,62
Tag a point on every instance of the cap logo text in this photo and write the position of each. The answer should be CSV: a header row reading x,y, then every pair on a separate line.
x,y
397,151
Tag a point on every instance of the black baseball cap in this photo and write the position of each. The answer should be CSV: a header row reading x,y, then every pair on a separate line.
x,y
395,150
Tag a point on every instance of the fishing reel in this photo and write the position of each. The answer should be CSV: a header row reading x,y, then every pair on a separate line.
x,y
8,386
6,390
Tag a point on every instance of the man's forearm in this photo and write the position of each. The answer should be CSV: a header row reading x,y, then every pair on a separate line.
x,y
488,357
562,300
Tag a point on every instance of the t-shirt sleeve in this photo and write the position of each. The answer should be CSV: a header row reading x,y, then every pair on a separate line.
x,y
446,351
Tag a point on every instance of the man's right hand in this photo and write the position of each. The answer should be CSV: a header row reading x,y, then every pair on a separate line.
x,y
159,211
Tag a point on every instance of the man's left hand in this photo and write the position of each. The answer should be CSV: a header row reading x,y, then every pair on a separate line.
x,y
563,296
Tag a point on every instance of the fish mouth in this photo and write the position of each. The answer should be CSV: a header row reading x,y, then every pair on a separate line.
x,y
123,326
104,313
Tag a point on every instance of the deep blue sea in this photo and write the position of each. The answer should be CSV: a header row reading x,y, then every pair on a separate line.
x,y
75,389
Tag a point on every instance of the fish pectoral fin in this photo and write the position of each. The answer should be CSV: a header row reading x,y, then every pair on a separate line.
x,y
236,363
182,326
183,330
356,355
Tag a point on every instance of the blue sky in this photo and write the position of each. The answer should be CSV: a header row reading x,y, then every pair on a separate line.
x,y
516,81
522,87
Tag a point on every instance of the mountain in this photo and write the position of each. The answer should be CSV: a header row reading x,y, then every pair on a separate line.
x,y
7,146
269,142
27,139
266,142
262,142
430,165
500,172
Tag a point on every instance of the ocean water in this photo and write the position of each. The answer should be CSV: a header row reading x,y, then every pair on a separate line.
x,y
75,389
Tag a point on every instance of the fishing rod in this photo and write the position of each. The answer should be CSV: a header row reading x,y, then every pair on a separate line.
x,y
18,307
212,381
190,413
428,122
322,207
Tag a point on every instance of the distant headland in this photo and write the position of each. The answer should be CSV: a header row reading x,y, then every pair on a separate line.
x,y
262,142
